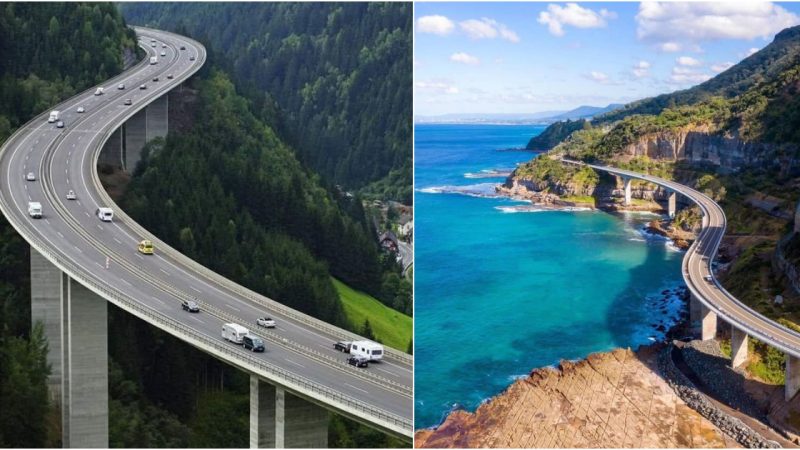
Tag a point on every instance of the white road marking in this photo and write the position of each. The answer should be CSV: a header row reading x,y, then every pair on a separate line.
x,y
294,362
47,220
99,226
196,290
384,371
195,318
98,264
233,307
139,256
358,389
87,214
59,233
76,248
117,241
126,282
163,270
26,186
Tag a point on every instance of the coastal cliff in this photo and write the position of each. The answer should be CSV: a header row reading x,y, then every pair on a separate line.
x,y
611,399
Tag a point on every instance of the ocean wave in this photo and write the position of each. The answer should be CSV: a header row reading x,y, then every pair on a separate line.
x,y
482,190
489,173
539,208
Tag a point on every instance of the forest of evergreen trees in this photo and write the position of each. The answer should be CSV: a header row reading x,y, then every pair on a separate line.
x,y
333,79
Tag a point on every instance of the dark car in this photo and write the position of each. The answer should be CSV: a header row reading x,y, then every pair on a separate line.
x,y
190,306
358,361
183,47
342,346
155,79
170,76
253,343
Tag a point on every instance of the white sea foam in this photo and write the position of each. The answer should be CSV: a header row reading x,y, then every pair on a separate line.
x,y
484,190
489,173
539,208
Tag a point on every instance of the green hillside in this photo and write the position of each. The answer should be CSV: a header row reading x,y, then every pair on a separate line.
x,y
389,326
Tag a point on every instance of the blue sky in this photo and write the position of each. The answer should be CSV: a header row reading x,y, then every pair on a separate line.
x,y
531,57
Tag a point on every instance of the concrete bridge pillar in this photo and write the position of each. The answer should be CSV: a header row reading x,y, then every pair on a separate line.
x,y
144,126
738,347
279,419
627,183
112,150
672,204
792,384
76,325
708,323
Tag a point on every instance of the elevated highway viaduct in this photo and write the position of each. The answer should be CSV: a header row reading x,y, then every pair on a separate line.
x,y
79,264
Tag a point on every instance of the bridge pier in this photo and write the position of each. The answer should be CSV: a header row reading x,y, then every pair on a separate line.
x,y
792,384
738,347
111,153
142,127
76,325
627,183
672,204
698,312
279,419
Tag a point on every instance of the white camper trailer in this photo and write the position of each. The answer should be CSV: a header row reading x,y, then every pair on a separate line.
x,y
234,332
368,349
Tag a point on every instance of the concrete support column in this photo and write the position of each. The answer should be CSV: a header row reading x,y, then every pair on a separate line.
x,y
279,419
135,138
694,310
708,323
672,204
738,347
627,182
158,118
792,377
112,150
76,325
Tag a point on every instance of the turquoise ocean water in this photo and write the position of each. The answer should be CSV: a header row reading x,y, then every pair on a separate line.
x,y
498,293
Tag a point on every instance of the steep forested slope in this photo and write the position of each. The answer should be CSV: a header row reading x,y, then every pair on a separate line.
x,y
48,52
334,79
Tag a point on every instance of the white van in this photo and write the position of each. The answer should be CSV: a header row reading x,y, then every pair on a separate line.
x,y
153,60
35,210
54,115
234,332
104,214
99,91
368,349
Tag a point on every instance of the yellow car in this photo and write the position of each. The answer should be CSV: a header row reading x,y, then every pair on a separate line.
x,y
146,247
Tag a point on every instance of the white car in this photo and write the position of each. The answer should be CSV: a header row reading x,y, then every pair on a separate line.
x,y
163,45
709,278
81,109
163,53
266,322
59,124
71,195
143,87
121,86
31,176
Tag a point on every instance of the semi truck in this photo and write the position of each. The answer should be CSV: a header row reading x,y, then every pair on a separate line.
x,y
368,349
153,59
35,210
54,115
234,332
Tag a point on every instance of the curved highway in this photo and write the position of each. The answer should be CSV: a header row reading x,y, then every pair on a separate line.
x,y
700,278
299,355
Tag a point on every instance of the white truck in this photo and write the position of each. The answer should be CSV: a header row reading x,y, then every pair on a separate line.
x,y
35,210
54,115
234,332
153,59
368,349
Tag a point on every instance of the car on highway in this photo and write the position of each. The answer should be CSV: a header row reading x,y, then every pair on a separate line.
x,y
253,343
342,346
709,278
358,361
183,47
169,76
30,176
153,45
35,210
163,53
121,86
143,87
145,247
81,109
104,214
60,124
266,322
128,102
155,79
191,58
71,195
190,306
163,45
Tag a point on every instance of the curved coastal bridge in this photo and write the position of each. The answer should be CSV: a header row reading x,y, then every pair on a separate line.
x,y
710,301
79,263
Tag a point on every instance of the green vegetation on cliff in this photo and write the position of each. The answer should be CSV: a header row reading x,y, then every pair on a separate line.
x,y
389,326
333,79
556,133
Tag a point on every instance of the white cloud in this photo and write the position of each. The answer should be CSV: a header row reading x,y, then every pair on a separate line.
x,y
721,67
557,16
436,87
686,75
751,51
688,61
641,69
669,47
486,28
599,77
436,24
464,58
671,22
